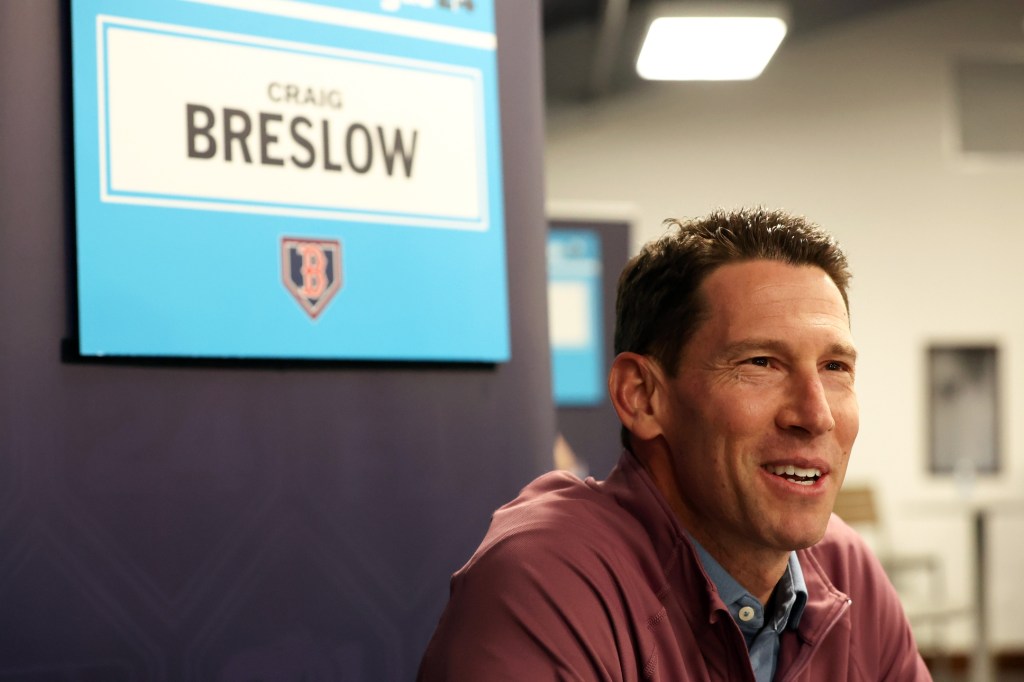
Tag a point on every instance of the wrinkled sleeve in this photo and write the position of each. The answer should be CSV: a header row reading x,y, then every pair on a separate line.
x,y
532,607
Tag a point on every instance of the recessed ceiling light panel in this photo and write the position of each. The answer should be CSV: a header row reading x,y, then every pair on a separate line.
x,y
709,47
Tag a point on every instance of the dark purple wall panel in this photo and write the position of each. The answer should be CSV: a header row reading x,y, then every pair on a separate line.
x,y
172,523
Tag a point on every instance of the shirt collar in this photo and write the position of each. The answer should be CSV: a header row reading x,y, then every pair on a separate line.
x,y
792,596
796,575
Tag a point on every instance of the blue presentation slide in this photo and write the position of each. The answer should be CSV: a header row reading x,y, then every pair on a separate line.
x,y
288,179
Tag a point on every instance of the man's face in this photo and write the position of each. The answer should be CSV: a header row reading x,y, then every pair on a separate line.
x,y
761,415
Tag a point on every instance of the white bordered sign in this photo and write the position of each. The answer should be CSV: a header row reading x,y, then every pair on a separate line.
x,y
209,131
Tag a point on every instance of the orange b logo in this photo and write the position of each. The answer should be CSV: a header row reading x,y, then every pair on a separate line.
x,y
311,271
314,272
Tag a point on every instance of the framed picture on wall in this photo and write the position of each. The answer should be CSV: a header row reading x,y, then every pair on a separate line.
x,y
963,409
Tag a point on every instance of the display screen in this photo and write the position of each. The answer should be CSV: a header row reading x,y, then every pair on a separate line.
x,y
574,316
288,180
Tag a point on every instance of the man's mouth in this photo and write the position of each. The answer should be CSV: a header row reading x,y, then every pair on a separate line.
x,y
794,474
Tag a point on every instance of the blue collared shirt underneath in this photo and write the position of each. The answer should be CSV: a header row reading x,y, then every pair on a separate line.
x,y
790,597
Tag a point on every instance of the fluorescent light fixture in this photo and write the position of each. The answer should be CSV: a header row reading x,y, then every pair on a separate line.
x,y
727,41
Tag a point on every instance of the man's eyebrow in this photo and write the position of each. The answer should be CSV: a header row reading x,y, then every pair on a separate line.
x,y
754,347
843,350
760,346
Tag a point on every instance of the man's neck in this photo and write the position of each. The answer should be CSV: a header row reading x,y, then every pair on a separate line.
x,y
757,571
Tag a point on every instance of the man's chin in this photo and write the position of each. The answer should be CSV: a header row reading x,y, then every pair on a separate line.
x,y
803,537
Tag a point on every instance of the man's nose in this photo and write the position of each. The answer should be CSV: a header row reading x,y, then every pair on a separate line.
x,y
806,407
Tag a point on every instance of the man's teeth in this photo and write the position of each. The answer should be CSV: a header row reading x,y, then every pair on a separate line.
x,y
794,473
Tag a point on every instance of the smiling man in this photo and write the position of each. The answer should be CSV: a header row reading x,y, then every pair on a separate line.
x,y
710,552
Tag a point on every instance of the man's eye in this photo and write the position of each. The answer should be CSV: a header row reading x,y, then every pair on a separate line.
x,y
835,366
760,361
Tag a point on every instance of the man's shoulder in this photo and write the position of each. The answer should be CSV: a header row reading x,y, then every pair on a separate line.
x,y
564,579
843,568
559,513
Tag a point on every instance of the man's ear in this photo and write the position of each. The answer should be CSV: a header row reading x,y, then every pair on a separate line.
x,y
634,384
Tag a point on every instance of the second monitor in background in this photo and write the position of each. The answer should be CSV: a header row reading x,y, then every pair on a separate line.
x,y
585,258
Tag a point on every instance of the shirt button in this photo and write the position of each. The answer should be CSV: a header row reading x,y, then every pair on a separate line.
x,y
746,613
